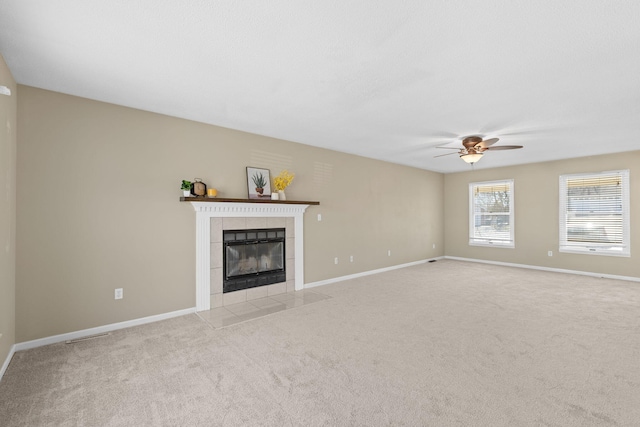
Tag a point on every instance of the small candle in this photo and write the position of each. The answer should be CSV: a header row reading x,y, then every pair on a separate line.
x,y
212,192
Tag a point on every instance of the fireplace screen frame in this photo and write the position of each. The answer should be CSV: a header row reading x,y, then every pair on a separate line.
x,y
253,237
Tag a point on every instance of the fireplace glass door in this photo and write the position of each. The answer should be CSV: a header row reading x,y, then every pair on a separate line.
x,y
253,258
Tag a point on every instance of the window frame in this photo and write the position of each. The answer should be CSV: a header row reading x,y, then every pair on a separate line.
x,y
473,240
620,250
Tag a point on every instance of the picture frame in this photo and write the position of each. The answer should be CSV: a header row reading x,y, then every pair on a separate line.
x,y
258,183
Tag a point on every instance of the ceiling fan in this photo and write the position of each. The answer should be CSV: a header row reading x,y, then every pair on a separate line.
x,y
474,147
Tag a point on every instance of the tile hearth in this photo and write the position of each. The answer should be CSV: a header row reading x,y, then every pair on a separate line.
x,y
236,313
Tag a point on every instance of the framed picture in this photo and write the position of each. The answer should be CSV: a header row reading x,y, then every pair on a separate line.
x,y
258,183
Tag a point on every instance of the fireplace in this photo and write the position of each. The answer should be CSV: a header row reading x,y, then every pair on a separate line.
x,y
253,258
215,215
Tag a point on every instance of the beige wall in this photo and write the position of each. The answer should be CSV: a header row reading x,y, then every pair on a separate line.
x,y
8,126
536,215
97,205
98,189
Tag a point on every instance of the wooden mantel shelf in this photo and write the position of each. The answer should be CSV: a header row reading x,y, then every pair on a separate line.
x,y
265,200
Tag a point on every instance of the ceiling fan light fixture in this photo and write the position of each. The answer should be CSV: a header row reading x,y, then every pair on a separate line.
x,y
471,158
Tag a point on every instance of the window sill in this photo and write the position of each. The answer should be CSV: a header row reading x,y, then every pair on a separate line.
x,y
594,252
493,245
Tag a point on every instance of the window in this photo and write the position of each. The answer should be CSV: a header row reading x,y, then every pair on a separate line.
x,y
491,213
594,213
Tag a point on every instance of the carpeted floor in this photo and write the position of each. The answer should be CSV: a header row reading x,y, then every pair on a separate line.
x,y
441,344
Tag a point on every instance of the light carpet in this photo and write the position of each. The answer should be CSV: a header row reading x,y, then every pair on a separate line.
x,y
442,344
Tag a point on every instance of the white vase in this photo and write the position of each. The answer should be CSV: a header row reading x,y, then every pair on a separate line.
x,y
186,193
281,195
274,196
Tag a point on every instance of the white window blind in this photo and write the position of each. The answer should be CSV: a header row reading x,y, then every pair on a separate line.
x,y
491,213
594,213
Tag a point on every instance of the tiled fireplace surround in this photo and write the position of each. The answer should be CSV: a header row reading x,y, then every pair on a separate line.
x,y
218,299
214,217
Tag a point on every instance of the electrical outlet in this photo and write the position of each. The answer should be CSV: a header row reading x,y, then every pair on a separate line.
x,y
550,253
389,252
118,294
351,258
434,246
335,260
319,217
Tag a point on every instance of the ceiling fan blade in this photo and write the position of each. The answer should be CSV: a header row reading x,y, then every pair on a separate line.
x,y
504,147
487,143
448,154
450,148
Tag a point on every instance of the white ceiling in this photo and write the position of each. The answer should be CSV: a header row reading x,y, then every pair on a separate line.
x,y
383,79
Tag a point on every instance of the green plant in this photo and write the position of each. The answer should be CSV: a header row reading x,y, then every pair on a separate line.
x,y
258,180
186,185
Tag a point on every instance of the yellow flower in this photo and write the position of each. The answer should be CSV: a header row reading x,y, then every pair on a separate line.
x,y
283,180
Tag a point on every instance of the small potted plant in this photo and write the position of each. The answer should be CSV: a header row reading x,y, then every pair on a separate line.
x,y
186,188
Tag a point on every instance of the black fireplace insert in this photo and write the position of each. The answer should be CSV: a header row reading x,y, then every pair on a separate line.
x,y
253,258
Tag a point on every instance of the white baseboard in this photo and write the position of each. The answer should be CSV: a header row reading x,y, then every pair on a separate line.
x,y
555,270
366,273
100,329
5,365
